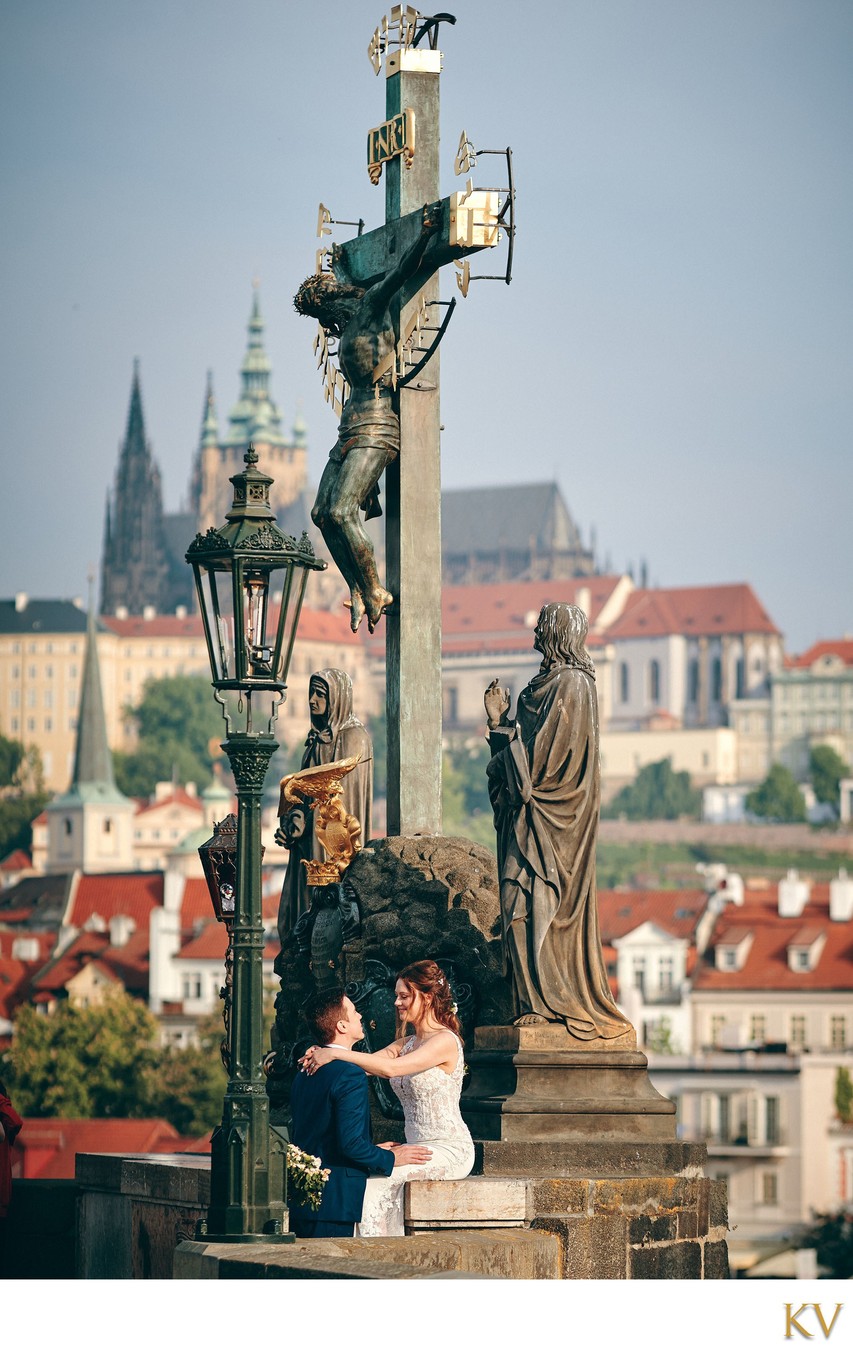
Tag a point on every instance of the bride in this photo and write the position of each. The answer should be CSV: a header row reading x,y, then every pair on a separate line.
x,y
425,1069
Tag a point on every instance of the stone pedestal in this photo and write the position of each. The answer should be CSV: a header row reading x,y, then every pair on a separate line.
x,y
540,1084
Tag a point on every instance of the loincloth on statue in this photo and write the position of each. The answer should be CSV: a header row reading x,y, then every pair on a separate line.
x,y
368,429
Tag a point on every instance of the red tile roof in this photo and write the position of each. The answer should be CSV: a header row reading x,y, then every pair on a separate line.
x,y
488,617
127,965
178,796
827,648
766,966
676,911
210,942
316,626
731,608
15,977
48,1146
195,905
132,894
16,861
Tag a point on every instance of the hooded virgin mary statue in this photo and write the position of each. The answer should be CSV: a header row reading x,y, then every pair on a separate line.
x,y
544,785
335,733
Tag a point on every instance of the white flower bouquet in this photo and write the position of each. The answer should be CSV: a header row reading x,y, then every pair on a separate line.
x,y
306,1178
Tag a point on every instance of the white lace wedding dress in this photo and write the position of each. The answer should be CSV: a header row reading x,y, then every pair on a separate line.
x,y
431,1109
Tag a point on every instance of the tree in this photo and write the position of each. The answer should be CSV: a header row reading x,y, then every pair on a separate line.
x,y
23,794
188,1083
778,797
465,807
832,1236
657,792
843,1094
180,729
83,1062
827,769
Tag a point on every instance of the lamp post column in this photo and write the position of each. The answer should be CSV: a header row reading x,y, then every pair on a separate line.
x,y
248,1178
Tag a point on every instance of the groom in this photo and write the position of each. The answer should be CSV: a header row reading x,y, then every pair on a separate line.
x,y
331,1118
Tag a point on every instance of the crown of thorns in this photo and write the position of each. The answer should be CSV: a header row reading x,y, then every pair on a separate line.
x,y
319,289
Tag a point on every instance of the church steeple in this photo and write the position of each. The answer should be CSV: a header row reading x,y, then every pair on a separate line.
x,y
90,827
135,569
93,762
256,419
210,422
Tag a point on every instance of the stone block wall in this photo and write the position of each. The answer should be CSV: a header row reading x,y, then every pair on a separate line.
x,y
623,1228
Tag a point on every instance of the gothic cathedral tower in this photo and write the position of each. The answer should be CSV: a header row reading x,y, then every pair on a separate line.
x,y
134,568
255,420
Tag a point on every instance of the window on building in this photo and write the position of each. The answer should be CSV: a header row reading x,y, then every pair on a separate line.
x,y
66,824
108,825
639,972
192,984
771,1120
48,672
624,683
693,680
32,672
770,1189
16,672
797,1031
451,704
740,679
16,724
838,1033
48,724
802,959
758,1028
654,681
729,959
48,700
716,679
666,974
31,724
725,1117
718,1022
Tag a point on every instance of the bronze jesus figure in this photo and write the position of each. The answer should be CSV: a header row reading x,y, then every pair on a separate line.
x,y
369,430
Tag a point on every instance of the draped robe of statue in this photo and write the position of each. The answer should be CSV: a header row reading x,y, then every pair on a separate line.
x,y
340,734
544,785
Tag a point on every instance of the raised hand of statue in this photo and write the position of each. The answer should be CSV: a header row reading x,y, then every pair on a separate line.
x,y
290,828
497,703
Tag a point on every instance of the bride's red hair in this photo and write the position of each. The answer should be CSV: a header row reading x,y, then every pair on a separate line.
x,y
429,979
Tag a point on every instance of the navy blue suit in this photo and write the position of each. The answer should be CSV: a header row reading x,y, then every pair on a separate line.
x,y
331,1118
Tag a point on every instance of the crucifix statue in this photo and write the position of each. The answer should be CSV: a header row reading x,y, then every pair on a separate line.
x,y
377,296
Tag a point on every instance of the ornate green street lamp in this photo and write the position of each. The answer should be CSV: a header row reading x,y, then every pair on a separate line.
x,y
251,581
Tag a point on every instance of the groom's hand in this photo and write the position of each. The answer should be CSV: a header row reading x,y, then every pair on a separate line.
x,y
411,1154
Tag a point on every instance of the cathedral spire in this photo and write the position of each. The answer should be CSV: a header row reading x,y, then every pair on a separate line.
x,y
210,423
93,763
135,570
255,419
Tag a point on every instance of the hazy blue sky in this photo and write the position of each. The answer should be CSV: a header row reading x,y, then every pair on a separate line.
x,y
676,345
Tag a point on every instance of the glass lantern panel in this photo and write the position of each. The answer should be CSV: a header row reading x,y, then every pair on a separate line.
x,y
291,606
218,606
256,591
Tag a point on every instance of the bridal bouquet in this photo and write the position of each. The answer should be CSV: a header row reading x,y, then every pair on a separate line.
x,y
305,1176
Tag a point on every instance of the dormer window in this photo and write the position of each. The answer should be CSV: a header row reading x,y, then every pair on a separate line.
x,y
804,954
731,952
